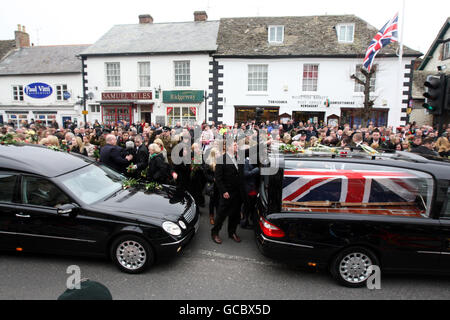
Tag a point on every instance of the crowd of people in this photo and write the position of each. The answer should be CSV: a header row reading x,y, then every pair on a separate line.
x,y
197,159
412,138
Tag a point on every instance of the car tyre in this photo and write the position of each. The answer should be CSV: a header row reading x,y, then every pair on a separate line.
x,y
132,254
349,267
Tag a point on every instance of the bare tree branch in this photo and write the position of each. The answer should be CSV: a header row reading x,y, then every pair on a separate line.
x,y
358,80
368,103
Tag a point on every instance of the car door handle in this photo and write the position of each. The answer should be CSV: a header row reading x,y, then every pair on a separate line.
x,y
21,215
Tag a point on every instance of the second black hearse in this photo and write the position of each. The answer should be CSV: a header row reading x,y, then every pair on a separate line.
x,y
347,214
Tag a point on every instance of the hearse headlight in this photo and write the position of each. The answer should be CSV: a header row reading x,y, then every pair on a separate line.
x,y
171,228
182,224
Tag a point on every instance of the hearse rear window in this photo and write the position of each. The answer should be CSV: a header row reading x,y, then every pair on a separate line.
x,y
310,186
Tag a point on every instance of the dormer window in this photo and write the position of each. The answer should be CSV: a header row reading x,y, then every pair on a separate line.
x,y
446,54
345,32
276,34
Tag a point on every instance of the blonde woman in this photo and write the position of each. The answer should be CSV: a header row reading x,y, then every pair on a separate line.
x,y
77,146
405,145
53,141
44,142
90,148
211,187
160,143
443,147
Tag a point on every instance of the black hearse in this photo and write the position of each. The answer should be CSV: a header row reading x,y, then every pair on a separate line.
x,y
56,202
350,211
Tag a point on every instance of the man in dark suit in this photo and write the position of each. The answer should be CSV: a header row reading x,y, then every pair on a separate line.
x,y
111,155
378,141
228,181
141,156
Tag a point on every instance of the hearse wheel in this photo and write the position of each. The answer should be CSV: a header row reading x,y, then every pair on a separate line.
x,y
132,254
350,266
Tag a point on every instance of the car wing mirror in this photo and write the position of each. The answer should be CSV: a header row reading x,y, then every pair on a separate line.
x,y
67,208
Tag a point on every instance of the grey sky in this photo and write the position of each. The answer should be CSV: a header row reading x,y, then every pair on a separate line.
x,y
52,22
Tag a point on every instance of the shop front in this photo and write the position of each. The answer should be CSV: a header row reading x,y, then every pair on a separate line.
x,y
112,114
243,114
185,115
45,117
120,106
17,117
305,116
353,116
39,114
182,106
146,112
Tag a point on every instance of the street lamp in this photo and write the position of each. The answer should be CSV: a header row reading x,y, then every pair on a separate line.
x,y
157,92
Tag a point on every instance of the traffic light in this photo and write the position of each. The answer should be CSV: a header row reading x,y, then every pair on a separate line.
x,y
435,94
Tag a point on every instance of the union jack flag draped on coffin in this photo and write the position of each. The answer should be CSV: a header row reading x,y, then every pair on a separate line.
x,y
348,186
387,34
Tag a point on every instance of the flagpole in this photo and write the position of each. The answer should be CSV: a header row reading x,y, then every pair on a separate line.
x,y
400,57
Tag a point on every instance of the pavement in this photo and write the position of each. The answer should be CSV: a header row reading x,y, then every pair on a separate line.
x,y
204,271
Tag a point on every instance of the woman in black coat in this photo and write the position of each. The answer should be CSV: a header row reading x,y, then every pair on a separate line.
x,y
158,170
183,169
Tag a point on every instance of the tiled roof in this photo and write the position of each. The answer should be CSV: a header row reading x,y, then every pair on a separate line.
x,y
303,36
43,60
153,38
6,46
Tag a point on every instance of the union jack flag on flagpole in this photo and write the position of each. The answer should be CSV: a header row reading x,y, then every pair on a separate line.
x,y
387,34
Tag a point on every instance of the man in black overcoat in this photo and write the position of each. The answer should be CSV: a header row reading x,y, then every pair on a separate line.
x,y
112,155
229,182
140,156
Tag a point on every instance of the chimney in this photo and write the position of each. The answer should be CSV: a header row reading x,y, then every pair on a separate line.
x,y
22,38
200,16
145,18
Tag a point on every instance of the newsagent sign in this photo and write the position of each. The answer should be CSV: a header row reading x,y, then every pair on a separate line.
x,y
143,95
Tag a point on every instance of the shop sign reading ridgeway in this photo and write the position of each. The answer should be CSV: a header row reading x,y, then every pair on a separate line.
x,y
180,96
